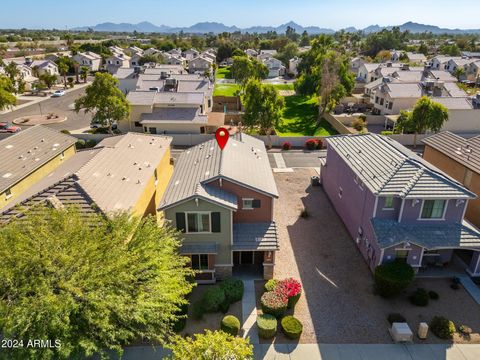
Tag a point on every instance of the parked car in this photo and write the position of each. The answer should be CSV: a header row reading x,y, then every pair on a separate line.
x,y
9,128
97,125
58,93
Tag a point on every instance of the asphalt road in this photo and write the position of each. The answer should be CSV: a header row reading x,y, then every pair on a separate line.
x,y
61,106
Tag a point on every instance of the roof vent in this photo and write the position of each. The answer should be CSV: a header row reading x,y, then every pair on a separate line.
x,y
7,175
138,181
43,140
8,146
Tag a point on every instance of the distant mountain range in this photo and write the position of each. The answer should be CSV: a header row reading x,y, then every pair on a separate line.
x,y
216,28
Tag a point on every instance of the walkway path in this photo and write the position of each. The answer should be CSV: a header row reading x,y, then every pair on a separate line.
x,y
249,312
471,288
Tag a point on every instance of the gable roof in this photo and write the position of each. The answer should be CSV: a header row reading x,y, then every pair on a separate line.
x,y
390,169
464,151
243,162
28,150
403,90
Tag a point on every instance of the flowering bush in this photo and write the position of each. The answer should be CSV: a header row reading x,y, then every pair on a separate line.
x,y
313,144
292,289
274,303
286,145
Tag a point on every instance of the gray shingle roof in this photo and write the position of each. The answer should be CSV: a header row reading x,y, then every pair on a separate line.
x,y
255,236
28,150
244,162
174,115
464,151
390,169
429,236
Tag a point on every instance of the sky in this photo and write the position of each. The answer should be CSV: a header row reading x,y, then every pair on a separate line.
x,y
335,14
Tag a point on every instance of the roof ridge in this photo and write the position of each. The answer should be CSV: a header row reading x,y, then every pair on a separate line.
x,y
413,181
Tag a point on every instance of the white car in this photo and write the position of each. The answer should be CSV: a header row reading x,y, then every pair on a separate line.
x,y
97,125
58,93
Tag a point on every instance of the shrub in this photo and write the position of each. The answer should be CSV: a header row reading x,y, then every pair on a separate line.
x,y
231,325
442,327
286,145
224,306
455,286
433,295
65,132
386,132
233,289
267,326
274,303
90,143
304,214
292,288
198,310
213,299
179,325
80,144
363,117
391,278
359,124
311,144
465,330
420,297
396,317
292,327
270,285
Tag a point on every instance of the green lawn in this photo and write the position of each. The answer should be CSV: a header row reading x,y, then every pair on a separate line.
x,y
300,118
225,89
284,86
223,73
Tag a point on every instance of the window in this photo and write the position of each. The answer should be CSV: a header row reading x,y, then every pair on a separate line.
x,y
62,155
8,194
401,255
376,99
200,262
249,204
381,101
198,222
433,209
388,203
390,105
137,124
153,130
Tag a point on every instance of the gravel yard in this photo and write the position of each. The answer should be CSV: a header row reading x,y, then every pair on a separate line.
x,y
338,304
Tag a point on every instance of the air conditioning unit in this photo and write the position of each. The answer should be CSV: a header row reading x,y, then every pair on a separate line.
x,y
401,332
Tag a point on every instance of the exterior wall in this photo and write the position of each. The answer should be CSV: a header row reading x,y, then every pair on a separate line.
x,y
461,174
171,128
36,176
355,206
463,121
153,192
223,238
412,210
262,214
391,214
414,257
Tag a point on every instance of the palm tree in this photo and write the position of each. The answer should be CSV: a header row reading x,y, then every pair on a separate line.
x,y
63,69
76,66
84,74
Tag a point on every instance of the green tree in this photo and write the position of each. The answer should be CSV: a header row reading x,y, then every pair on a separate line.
x,y
84,73
48,79
459,73
244,68
94,284
13,73
104,100
152,58
263,106
7,98
213,345
304,40
63,70
288,52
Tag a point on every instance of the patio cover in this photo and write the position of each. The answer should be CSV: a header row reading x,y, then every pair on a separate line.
x,y
255,237
199,248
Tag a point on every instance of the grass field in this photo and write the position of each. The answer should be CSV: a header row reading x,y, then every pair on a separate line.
x,y
225,89
284,86
300,118
223,73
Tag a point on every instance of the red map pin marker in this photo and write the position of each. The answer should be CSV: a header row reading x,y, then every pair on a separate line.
x,y
222,136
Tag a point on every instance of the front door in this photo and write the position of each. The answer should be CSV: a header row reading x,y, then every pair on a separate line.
x,y
246,257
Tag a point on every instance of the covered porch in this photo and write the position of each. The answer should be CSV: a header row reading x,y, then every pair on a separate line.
x,y
254,246
202,258
431,249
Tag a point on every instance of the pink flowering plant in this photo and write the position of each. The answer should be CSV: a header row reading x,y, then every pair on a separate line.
x,y
274,303
292,289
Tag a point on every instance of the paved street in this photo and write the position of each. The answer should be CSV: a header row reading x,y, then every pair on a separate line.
x,y
61,106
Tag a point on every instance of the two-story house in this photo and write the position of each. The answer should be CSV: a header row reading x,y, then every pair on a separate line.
x,y
395,205
89,59
222,202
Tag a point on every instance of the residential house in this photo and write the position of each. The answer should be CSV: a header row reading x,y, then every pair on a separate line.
x,y
224,209
151,51
458,63
391,98
472,73
127,173
416,58
134,50
395,55
117,61
135,60
200,64
471,54
171,59
266,54
30,155
440,62
209,55
89,59
459,158
293,64
116,50
41,67
251,53
190,54
275,67
355,64
397,206
366,72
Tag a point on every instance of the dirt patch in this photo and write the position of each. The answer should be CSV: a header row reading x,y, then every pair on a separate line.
x,y
338,304
209,321
39,120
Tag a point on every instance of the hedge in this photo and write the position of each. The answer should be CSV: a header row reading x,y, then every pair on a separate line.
x,y
292,327
274,303
267,326
212,299
270,285
233,289
442,327
231,325
391,278
420,297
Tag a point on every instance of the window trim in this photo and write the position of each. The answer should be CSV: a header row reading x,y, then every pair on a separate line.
x,y
433,219
243,204
198,212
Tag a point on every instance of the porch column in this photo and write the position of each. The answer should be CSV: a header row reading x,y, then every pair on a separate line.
x,y
268,264
474,267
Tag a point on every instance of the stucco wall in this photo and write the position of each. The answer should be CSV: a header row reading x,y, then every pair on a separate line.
x,y
262,214
223,238
412,209
463,121
36,176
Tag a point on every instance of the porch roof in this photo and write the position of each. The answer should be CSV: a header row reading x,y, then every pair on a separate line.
x,y
430,236
199,248
255,237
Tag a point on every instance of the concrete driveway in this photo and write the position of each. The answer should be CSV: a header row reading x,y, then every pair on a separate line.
x,y
62,106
